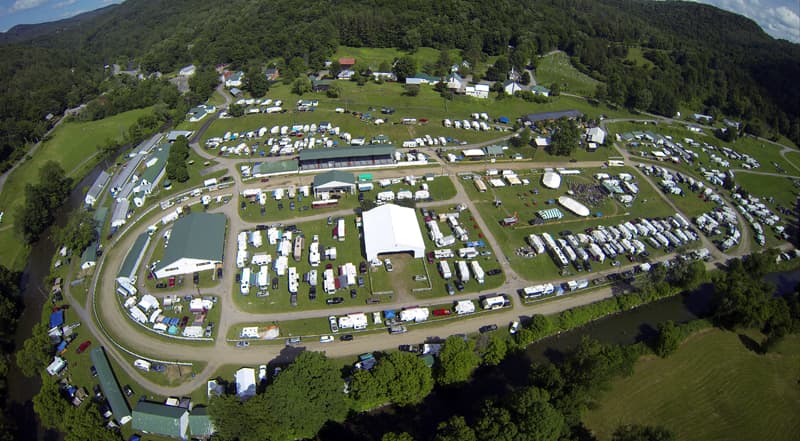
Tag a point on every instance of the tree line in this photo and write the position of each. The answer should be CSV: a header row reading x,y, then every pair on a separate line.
x,y
694,53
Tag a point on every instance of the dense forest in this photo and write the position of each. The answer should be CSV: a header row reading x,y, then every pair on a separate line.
x,y
715,61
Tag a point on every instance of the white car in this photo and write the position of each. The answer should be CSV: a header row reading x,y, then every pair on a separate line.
x,y
326,339
334,325
388,264
514,327
262,372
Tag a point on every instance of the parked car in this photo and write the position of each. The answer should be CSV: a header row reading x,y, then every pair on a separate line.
x,y
488,328
389,266
312,293
293,341
293,299
409,348
493,272
362,267
85,345
420,278
242,344
128,390
93,370
373,300
441,312
274,283
514,328
334,300
196,278
353,293
346,337
333,324
399,329
159,367
326,339
459,285
449,288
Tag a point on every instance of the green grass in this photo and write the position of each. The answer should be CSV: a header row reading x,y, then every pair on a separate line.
x,y
428,104
794,158
767,154
557,68
712,388
373,57
636,56
71,144
519,200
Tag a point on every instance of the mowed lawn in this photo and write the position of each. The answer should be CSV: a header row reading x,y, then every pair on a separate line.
x,y
712,388
72,145
556,68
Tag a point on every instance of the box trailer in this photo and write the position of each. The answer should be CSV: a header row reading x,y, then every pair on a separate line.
x,y
464,307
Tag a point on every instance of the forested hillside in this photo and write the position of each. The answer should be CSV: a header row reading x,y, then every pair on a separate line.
x,y
714,60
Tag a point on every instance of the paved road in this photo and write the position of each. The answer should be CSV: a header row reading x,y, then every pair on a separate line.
x,y
103,302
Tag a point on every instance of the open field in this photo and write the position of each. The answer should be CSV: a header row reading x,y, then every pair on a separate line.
x,y
428,104
636,55
521,200
556,68
712,388
441,189
768,155
71,144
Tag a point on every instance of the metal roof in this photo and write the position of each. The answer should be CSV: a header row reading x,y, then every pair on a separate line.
x,y
196,236
200,424
346,152
546,116
134,256
98,185
151,173
328,177
159,419
109,385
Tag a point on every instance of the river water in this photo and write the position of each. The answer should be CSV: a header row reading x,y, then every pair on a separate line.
x,y
625,328
488,383
21,389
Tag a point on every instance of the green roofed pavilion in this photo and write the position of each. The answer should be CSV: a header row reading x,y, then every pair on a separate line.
x,y
160,419
196,244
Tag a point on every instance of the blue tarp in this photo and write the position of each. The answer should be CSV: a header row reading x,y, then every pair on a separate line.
x,y
503,120
61,346
57,318
389,313
172,330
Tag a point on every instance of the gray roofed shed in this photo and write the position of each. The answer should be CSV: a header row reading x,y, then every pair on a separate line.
x,y
134,257
548,116
97,188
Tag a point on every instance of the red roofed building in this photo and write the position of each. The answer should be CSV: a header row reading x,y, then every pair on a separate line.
x,y
347,63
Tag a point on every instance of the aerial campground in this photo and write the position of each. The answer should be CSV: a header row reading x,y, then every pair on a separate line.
x,y
399,221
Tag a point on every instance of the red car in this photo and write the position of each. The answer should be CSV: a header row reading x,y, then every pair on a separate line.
x,y
440,312
171,282
85,345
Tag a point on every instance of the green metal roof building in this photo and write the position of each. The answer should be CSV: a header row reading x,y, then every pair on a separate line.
x,y
160,419
196,244
155,172
200,424
134,258
343,157
334,181
110,386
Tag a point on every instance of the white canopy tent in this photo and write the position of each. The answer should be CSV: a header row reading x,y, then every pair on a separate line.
x,y
392,229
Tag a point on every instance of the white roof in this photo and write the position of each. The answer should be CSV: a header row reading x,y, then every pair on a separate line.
x,y
551,180
596,134
573,206
246,382
391,229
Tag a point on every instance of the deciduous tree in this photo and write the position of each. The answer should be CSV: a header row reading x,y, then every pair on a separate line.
x,y
405,378
457,360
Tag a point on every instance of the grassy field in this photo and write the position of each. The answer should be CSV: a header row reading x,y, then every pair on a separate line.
x,y
525,204
441,189
768,155
428,104
71,144
373,57
556,68
636,56
794,158
712,388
